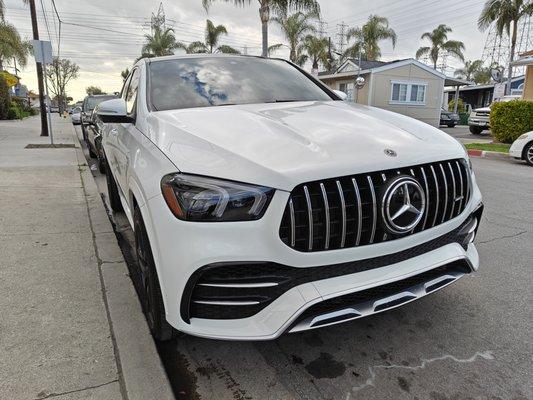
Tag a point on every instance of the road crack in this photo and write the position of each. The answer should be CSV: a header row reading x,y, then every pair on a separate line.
x,y
502,237
373,370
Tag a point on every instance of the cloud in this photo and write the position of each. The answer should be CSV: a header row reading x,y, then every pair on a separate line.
x,y
102,55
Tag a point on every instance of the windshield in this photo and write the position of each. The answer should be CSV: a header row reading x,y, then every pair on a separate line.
x,y
204,82
92,102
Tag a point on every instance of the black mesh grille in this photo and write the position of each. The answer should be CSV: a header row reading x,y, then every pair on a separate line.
x,y
210,284
346,212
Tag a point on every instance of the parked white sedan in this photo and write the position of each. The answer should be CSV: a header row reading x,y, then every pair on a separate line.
x,y
75,117
522,148
263,204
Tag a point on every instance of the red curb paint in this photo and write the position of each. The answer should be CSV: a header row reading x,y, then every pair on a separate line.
x,y
475,153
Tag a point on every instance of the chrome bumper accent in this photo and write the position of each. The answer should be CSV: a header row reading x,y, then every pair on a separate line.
x,y
377,305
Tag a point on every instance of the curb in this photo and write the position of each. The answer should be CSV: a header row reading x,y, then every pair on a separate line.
x,y
494,155
140,370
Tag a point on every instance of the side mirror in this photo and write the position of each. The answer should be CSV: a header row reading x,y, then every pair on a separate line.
x,y
343,96
114,111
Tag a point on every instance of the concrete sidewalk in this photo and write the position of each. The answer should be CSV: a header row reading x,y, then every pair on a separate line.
x,y
71,324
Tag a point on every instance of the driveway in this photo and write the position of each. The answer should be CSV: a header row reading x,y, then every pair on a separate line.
x,y
461,133
469,340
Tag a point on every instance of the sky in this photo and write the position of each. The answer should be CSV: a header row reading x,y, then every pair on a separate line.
x,y
102,54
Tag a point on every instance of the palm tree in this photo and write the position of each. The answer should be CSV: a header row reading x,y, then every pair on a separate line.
x,y
160,43
368,37
317,50
470,70
12,46
439,42
505,14
277,6
296,27
273,48
212,37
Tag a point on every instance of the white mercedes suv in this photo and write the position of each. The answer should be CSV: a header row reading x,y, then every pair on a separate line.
x,y
262,203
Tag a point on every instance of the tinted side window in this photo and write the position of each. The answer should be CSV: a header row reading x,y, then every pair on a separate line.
x,y
131,94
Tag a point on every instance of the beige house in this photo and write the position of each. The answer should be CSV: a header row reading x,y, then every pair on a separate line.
x,y
406,86
526,60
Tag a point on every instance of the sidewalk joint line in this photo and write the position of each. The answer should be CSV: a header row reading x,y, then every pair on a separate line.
x,y
76,390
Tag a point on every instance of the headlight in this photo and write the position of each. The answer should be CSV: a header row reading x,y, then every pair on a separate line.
x,y
523,137
200,199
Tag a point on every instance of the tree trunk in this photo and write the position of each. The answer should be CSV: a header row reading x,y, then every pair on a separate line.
x,y
511,57
264,13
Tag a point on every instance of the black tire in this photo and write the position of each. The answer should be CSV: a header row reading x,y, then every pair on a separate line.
x,y
84,133
528,154
150,291
451,125
101,165
112,191
475,130
92,154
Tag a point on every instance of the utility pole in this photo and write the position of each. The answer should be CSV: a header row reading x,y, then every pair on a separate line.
x,y
44,123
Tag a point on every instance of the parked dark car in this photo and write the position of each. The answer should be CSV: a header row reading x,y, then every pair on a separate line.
x,y
89,103
448,118
91,127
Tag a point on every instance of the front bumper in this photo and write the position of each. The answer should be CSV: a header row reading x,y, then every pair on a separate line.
x,y
183,248
517,148
479,122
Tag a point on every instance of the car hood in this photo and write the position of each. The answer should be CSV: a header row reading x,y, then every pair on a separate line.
x,y
285,144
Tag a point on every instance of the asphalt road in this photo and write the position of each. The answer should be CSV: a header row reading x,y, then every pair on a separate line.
x,y
462,133
471,340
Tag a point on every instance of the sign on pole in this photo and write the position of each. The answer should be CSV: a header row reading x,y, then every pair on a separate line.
x,y
42,51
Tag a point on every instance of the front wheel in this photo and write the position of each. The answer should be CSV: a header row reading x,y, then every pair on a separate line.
x,y
451,125
528,154
475,130
150,291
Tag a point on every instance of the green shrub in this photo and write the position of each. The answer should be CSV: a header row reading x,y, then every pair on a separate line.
x,y
15,111
508,120
4,99
460,105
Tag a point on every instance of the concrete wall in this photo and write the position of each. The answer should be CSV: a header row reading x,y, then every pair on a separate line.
x,y
381,87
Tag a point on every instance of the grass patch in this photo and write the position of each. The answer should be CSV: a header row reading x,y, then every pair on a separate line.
x,y
498,147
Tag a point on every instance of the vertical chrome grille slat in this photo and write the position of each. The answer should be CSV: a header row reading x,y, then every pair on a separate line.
x,y
359,212
343,214
325,215
293,223
309,218
454,190
326,212
445,193
374,209
462,187
426,187
436,195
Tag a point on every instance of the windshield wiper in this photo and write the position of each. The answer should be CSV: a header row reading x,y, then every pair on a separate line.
x,y
284,101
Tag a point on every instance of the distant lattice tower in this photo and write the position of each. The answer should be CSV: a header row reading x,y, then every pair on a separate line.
x,y
159,18
497,48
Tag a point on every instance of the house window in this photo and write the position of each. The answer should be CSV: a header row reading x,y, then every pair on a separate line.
x,y
348,88
408,93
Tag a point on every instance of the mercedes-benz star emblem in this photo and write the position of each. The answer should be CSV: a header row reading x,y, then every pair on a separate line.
x,y
390,152
403,204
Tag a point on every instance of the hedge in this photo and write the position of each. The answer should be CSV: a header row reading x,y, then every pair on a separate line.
x,y
4,99
508,120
